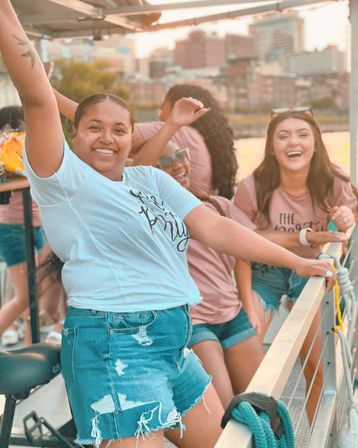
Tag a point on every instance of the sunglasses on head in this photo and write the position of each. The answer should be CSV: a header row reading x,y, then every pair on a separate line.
x,y
167,161
282,110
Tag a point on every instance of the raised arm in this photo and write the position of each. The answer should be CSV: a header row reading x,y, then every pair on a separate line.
x,y
44,137
185,111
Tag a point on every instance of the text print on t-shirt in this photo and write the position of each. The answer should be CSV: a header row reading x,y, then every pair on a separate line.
x,y
155,213
287,223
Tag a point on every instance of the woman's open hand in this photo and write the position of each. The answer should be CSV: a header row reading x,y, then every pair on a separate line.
x,y
319,238
186,110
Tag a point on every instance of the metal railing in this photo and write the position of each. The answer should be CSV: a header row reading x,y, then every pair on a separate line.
x,y
280,361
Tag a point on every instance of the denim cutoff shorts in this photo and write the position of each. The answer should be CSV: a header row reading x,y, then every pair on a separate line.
x,y
271,283
13,243
129,374
227,334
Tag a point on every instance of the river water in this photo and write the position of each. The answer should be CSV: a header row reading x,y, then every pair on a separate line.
x,y
250,151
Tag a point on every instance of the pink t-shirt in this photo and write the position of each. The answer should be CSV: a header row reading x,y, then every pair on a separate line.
x,y
291,214
13,212
200,159
212,272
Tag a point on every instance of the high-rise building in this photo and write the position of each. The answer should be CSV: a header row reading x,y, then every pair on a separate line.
x,y
200,50
159,61
278,34
238,46
325,62
243,84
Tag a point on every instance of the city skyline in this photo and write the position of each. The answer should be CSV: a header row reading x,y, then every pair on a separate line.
x,y
325,24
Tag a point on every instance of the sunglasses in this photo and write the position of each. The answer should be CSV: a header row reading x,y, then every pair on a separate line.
x,y
282,110
167,161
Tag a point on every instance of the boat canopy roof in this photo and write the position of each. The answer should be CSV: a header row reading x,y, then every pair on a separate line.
x,y
74,18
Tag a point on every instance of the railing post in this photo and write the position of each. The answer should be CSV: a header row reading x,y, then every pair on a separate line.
x,y
329,356
353,92
325,423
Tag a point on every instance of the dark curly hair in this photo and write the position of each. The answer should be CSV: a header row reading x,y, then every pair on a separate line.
x,y
12,116
217,134
320,180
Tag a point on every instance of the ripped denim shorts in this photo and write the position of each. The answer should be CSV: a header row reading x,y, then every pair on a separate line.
x,y
129,374
271,283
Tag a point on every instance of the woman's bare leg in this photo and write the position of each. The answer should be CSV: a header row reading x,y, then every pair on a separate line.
x,y
13,309
202,423
242,361
212,357
18,305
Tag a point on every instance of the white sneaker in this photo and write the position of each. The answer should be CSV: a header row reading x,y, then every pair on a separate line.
x,y
13,334
55,336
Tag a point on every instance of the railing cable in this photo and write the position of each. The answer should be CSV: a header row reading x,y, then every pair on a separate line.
x,y
348,436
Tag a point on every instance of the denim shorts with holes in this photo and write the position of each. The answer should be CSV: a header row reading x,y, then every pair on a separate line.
x,y
271,283
129,374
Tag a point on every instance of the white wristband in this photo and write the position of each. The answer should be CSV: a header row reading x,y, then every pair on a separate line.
x,y
302,237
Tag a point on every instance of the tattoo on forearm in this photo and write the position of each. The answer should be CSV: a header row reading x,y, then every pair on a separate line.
x,y
30,53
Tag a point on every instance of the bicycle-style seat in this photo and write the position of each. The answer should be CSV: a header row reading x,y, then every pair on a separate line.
x,y
22,370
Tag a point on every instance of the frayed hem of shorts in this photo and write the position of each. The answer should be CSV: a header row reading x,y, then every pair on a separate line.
x,y
176,422
268,307
143,431
198,400
148,434
92,441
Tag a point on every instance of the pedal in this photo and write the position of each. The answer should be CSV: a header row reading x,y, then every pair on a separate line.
x,y
34,428
35,431
42,401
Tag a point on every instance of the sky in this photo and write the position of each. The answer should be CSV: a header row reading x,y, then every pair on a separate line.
x,y
325,23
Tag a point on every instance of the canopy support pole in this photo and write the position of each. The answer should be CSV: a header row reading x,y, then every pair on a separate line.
x,y
353,92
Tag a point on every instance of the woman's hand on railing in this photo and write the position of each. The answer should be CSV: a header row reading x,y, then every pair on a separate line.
x,y
321,268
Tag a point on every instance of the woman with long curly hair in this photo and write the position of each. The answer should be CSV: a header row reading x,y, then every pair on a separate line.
x,y
209,140
296,188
